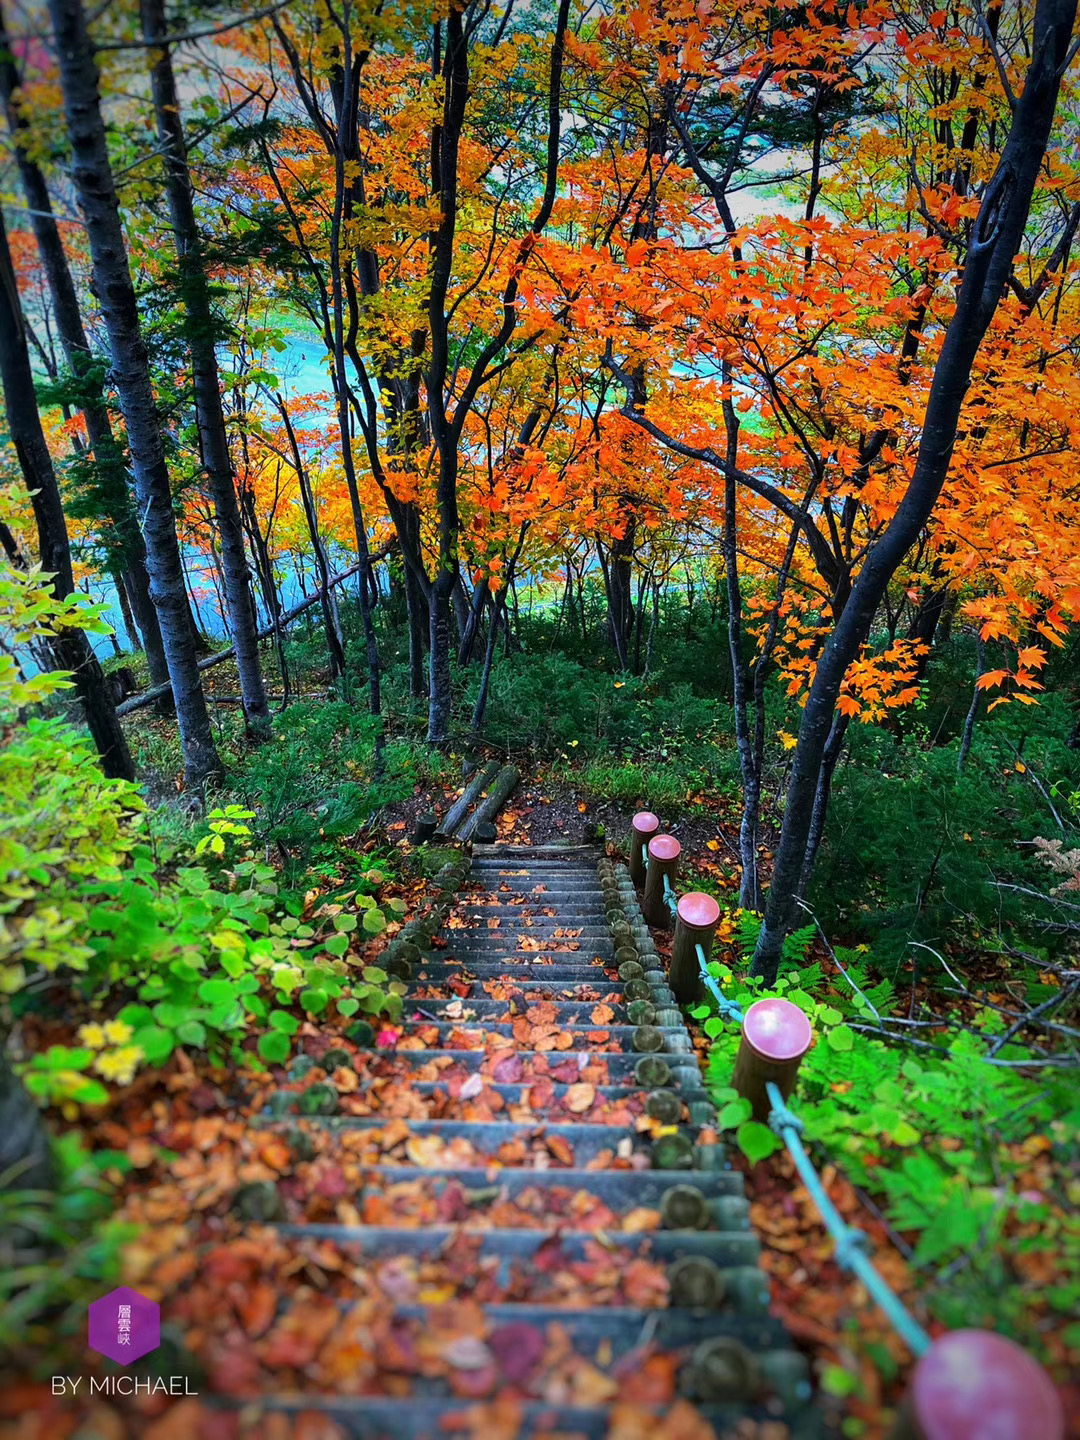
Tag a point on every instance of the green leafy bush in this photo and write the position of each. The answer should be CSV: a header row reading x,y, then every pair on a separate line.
x,y
941,1137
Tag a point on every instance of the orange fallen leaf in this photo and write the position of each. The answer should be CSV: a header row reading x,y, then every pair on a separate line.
x,y
580,1098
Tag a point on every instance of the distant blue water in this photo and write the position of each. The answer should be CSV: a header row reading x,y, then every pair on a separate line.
x,y
301,370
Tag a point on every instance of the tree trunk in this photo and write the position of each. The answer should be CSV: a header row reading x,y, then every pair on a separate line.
x,y
25,1161
335,642
71,647
439,697
996,237
93,180
108,457
973,709
493,802
209,414
416,608
480,708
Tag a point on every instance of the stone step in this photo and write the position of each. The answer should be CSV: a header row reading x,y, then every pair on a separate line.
x,y
728,1250
552,887
619,1037
501,1011
622,1190
526,969
577,1144
478,912
619,1064
517,1094
377,1417
557,927
598,990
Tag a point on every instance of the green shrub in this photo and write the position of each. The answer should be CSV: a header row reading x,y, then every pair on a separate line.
x,y
915,852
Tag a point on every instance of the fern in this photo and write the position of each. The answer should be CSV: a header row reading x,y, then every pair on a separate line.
x,y
798,943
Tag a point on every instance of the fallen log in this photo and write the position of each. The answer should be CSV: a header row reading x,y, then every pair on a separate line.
x,y
140,702
496,798
460,808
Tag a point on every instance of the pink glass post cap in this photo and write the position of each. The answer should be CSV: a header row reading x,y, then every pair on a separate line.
x,y
664,847
777,1029
645,822
974,1385
698,910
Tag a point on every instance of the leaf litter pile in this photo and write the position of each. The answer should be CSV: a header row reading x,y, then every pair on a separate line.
x,y
364,1225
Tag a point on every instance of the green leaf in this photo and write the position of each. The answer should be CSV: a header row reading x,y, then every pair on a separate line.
x,y
274,1046
348,1006
374,976
840,1037
283,1021
218,992
313,1000
337,944
191,1032
835,1380
828,1016
734,1113
714,1027
756,1141
905,1134
345,923
155,1043
374,922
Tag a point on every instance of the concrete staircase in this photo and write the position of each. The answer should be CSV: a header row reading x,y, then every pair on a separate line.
x,y
541,1002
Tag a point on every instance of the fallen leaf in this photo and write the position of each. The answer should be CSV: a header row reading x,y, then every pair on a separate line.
x,y
580,1098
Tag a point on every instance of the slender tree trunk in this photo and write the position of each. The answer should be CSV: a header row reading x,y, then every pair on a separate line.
x,y
131,630
480,708
71,647
108,456
996,237
439,696
416,610
92,176
335,642
210,416
973,709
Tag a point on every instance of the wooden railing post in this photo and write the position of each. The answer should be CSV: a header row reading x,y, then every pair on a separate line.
x,y
695,924
642,829
775,1036
664,852
973,1383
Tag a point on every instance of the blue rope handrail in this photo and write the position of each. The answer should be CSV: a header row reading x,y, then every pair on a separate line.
x,y
851,1243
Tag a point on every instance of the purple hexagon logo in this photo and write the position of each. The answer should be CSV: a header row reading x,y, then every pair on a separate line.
x,y
124,1325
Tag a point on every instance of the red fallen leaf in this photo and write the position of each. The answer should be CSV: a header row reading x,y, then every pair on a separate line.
x,y
566,1073
549,1255
331,1184
541,1094
602,1015
509,1070
451,1207
258,1309
518,1349
231,1367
